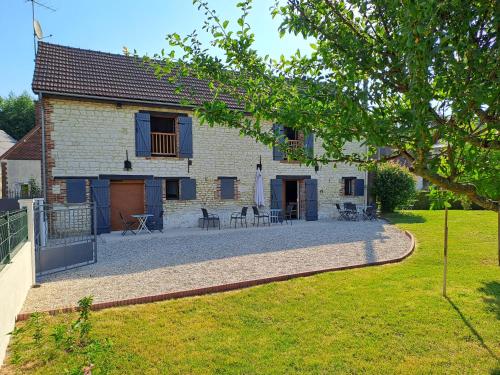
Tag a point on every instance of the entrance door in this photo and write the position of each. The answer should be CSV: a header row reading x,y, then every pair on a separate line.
x,y
127,197
291,196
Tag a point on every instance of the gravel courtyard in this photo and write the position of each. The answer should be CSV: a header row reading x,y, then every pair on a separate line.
x,y
184,259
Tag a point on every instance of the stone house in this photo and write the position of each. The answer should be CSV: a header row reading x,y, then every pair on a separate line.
x,y
21,165
116,135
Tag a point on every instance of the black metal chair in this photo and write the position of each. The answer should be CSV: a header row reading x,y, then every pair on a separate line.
x,y
343,214
127,226
241,216
207,218
370,213
156,223
260,215
351,210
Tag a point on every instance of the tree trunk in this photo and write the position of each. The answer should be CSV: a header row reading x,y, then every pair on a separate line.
x,y
468,190
445,270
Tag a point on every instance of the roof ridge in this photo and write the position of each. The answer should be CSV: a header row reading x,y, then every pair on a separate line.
x,y
88,50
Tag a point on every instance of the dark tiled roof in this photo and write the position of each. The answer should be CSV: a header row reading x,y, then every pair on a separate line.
x,y
74,71
28,147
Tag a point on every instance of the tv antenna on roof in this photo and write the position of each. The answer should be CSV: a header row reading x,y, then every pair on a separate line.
x,y
37,28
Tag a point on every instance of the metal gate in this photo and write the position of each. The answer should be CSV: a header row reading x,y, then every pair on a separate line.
x,y
65,236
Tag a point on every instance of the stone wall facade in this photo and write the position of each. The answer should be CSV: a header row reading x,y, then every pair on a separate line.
x,y
89,138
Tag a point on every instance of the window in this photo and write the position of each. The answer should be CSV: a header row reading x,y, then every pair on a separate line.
x,y
349,185
172,189
227,187
163,136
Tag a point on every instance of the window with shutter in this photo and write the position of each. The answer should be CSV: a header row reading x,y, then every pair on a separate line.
x,y
76,190
187,188
185,137
172,190
142,134
227,187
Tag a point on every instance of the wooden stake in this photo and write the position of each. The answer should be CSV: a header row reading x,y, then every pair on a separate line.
x,y
445,250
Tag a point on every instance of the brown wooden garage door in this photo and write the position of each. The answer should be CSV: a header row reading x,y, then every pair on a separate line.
x,y
127,197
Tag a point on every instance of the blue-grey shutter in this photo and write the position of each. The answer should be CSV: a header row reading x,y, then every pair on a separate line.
x,y
99,190
188,188
359,187
309,145
227,188
154,202
278,131
311,186
277,193
75,190
185,137
142,134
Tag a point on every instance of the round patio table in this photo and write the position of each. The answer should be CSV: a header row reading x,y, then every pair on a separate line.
x,y
142,218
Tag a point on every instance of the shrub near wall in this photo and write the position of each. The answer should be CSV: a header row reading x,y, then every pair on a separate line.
x,y
393,186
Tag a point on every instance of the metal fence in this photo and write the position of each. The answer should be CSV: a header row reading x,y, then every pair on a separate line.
x,y
23,194
13,233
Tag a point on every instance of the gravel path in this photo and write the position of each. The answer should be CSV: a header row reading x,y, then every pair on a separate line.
x,y
185,259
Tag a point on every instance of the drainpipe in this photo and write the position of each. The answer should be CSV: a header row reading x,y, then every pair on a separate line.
x,y
44,158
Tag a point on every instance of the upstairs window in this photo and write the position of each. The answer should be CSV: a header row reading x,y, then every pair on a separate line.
x,y
163,136
295,139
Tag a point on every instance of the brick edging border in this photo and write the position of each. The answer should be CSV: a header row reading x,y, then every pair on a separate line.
x,y
223,287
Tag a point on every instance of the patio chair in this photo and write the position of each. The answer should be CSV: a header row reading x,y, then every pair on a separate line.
x,y
127,226
343,214
370,213
241,216
207,218
260,215
291,210
351,210
156,223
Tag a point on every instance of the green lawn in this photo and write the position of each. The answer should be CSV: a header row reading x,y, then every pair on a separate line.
x,y
386,319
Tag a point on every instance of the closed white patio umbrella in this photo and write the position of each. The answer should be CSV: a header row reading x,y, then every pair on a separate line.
x,y
259,189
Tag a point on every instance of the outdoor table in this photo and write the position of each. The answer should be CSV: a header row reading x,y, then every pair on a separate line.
x,y
142,218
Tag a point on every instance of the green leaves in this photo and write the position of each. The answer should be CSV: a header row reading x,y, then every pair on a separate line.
x,y
406,78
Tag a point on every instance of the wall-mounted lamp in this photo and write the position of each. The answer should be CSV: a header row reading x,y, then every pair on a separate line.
x,y
190,163
316,168
119,105
127,164
259,166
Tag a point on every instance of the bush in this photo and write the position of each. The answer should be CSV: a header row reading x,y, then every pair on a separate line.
x,y
393,186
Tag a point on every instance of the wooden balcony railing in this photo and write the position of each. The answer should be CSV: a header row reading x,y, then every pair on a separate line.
x,y
163,144
295,144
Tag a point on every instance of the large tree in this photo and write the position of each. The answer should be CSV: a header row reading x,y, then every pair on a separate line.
x,y
17,114
407,75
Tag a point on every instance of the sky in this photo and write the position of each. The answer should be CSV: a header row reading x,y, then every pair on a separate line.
x,y
109,25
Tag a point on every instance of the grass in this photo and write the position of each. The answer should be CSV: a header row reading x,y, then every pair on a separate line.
x,y
387,319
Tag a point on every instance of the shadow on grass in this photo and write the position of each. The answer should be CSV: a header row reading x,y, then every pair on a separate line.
x,y
491,291
472,329
404,217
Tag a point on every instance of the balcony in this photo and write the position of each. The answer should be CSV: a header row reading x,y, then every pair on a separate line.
x,y
163,144
294,144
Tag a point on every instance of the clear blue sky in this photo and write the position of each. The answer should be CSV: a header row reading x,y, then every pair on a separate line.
x,y
108,25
